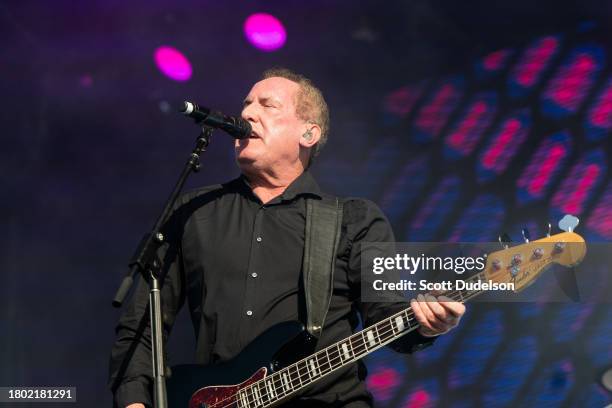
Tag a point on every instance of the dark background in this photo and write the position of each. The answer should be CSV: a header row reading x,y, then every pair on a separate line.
x,y
91,146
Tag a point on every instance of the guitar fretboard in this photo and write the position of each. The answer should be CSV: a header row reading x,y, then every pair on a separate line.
x,y
295,377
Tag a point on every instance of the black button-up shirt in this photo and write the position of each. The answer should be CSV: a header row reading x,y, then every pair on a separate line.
x,y
238,263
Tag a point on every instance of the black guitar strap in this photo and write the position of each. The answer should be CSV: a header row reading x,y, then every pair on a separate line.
x,y
322,235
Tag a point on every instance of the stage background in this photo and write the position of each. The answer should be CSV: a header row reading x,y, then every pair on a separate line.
x,y
462,120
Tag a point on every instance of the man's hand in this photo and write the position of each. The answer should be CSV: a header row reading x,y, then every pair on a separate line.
x,y
136,405
436,316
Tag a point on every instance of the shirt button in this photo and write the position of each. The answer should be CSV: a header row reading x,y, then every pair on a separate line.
x,y
258,239
254,274
249,313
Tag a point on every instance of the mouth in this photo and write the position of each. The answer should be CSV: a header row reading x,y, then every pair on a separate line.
x,y
254,135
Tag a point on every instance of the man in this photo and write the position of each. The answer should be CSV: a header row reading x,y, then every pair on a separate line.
x,y
235,253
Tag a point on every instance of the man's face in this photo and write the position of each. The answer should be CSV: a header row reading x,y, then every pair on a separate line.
x,y
270,108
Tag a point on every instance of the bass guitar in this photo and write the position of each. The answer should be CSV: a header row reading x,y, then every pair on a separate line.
x,y
282,368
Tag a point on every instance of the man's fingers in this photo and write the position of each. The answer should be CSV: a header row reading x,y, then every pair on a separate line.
x,y
420,316
427,306
436,315
456,309
436,308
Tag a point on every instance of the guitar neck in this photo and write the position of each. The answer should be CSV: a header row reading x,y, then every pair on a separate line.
x,y
293,378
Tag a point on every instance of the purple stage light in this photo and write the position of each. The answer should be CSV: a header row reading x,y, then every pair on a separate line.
x,y
383,382
172,63
86,81
492,63
468,130
599,117
544,167
495,60
265,32
433,115
531,66
401,101
503,145
418,399
574,193
573,81
600,222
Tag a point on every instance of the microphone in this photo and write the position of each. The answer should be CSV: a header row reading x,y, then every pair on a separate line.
x,y
238,128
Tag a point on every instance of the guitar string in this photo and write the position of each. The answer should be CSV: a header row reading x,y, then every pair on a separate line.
x,y
333,359
338,357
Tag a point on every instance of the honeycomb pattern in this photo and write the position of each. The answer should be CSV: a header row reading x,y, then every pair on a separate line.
x,y
519,138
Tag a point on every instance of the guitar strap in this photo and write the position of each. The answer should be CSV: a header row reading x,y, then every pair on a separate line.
x,y
322,235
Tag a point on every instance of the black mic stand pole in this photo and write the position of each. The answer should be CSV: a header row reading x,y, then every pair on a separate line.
x,y
146,262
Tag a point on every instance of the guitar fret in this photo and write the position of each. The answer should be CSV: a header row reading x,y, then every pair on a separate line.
x,y
385,330
411,319
313,367
352,351
243,398
288,384
270,388
377,333
249,396
262,391
371,339
279,386
320,357
306,370
257,398
297,373
359,345
345,351
328,360
399,321
396,326
365,343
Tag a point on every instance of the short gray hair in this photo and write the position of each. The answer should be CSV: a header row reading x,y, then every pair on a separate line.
x,y
310,105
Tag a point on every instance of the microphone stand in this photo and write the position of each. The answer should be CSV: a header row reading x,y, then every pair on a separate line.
x,y
146,262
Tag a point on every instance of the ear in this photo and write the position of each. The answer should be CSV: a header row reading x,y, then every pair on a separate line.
x,y
311,136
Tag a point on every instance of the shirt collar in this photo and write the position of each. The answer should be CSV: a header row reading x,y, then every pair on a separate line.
x,y
305,184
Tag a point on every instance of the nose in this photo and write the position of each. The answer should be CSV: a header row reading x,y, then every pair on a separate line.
x,y
248,113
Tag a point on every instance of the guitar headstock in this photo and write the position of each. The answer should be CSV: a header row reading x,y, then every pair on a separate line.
x,y
521,264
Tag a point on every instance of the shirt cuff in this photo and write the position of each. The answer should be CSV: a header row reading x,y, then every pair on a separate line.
x,y
133,392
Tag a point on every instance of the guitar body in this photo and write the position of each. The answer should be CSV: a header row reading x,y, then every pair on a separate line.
x,y
198,386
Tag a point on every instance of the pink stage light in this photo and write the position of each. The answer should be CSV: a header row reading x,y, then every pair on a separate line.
x,y
573,194
495,60
434,114
535,61
601,217
544,167
172,63
573,81
418,399
467,132
382,383
509,131
401,101
265,32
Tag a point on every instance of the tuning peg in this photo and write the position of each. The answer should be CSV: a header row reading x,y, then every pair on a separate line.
x,y
525,233
568,223
549,229
504,240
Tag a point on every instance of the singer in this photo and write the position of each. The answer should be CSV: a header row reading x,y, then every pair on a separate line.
x,y
235,255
